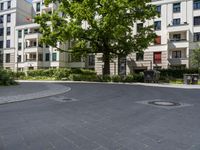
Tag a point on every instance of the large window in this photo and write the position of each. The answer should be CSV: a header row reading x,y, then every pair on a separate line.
x,y
19,46
19,58
8,44
197,37
54,56
8,17
176,37
47,57
2,6
157,25
1,31
38,7
7,58
1,44
176,54
157,40
197,21
139,56
91,60
157,57
19,33
196,4
158,8
8,31
9,4
139,26
176,7
176,22
1,19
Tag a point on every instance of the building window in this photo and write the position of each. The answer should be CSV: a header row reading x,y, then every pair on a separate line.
x,y
157,40
1,19
196,4
1,44
176,7
176,22
40,57
38,7
157,25
19,46
1,31
139,56
9,4
91,60
158,8
47,56
8,31
8,44
25,31
19,33
1,6
139,27
197,21
176,54
176,37
7,58
197,37
19,58
54,56
8,17
157,57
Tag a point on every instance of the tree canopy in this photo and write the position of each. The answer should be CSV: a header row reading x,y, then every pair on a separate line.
x,y
195,58
107,25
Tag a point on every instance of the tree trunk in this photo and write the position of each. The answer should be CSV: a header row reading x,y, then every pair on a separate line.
x,y
106,60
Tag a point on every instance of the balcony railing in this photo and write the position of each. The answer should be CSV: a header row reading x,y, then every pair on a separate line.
x,y
177,40
31,60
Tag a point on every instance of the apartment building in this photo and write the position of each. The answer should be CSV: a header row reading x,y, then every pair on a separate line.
x,y
178,33
12,13
20,48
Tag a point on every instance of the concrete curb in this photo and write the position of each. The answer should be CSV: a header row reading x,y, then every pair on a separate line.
x,y
179,86
52,89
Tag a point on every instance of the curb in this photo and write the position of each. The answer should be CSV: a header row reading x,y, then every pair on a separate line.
x,y
53,89
178,86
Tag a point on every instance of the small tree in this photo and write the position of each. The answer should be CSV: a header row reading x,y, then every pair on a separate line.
x,y
195,58
108,27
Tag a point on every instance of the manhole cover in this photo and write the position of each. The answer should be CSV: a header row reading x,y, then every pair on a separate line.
x,y
164,103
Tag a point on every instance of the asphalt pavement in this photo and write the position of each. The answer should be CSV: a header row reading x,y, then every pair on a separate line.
x,y
103,117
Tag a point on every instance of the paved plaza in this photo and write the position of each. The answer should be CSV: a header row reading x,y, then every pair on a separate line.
x,y
100,117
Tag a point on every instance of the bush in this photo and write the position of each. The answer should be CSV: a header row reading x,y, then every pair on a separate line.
x,y
134,78
62,74
172,73
83,71
6,78
82,77
116,78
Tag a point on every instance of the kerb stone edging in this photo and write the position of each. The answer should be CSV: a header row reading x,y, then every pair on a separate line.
x,y
52,89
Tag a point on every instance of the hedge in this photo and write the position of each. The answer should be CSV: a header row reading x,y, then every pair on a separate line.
x,y
6,77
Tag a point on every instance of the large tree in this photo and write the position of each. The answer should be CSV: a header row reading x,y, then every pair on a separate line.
x,y
195,58
108,26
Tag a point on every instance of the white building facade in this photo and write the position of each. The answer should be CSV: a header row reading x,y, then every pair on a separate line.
x,y
178,33
20,48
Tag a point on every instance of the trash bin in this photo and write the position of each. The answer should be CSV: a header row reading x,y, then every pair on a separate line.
x,y
187,78
195,78
151,76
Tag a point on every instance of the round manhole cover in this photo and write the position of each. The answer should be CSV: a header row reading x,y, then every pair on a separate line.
x,y
164,103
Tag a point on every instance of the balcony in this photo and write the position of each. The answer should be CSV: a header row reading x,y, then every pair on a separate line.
x,y
32,49
48,8
178,61
32,35
176,28
178,43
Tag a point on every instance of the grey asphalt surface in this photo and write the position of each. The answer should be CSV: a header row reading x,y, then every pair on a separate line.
x,y
103,117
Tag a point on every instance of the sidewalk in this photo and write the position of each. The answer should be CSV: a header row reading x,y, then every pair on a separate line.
x,y
164,85
26,91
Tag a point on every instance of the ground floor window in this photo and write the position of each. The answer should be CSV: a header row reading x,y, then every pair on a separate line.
x,y
157,57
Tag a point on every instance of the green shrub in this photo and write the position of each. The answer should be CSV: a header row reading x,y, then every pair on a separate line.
x,y
83,71
61,74
82,77
134,78
116,78
6,78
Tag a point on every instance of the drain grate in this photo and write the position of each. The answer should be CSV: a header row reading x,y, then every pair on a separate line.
x,y
161,103
63,99
164,103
